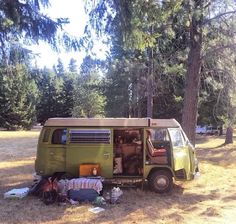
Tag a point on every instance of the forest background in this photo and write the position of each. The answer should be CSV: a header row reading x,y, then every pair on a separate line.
x,y
167,59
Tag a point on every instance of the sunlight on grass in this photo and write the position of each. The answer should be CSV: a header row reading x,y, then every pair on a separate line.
x,y
13,164
209,141
19,134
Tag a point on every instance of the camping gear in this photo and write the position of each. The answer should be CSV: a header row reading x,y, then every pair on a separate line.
x,y
83,195
116,192
63,187
96,210
17,193
47,190
50,191
99,201
87,170
85,183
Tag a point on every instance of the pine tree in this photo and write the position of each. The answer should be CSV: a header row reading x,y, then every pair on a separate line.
x,y
60,71
72,67
18,98
88,98
49,86
66,96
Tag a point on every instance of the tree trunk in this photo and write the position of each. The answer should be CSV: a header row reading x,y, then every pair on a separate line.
x,y
229,136
150,81
149,96
150,85
189,115
139,99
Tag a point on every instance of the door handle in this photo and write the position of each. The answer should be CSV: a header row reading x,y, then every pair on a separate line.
x,y
107,155
51,153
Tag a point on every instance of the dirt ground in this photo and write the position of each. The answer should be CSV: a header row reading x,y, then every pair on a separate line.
x,y
209,199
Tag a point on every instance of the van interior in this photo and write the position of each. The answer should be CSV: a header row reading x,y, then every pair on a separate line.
x,y
128,151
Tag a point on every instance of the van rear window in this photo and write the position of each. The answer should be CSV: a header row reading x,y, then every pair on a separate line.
x,y
90,136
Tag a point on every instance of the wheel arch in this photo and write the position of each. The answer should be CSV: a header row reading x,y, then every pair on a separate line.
x,y
154,169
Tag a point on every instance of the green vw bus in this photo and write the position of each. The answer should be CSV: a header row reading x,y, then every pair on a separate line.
x,y
121,149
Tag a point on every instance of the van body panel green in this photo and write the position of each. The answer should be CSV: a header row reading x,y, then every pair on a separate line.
x,y
56,155
84,154
149,167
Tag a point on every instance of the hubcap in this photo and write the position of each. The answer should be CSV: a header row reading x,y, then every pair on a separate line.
x,y
162,182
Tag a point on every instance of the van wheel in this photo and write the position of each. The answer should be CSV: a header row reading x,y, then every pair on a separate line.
x,y
161,181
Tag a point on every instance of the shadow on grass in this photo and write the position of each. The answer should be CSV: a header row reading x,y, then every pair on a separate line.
x,y
201,139
217,156
231,198
153,207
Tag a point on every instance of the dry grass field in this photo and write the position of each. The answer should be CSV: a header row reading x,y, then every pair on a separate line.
x,y
209,199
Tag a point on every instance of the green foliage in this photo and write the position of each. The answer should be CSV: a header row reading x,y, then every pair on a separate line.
x,y
88,98
150,40
72,67
60,71
18,97
117,84
49,86
56,93
153,39
24,19
66,96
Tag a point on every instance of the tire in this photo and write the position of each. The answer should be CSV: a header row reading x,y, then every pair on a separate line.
x,y
161,181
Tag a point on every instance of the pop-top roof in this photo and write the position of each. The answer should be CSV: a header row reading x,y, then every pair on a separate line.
x,y
110,122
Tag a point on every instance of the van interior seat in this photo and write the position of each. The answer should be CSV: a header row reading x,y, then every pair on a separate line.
x,y
157,155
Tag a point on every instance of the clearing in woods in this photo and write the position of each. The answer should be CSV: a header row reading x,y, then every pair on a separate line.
x,y
209,199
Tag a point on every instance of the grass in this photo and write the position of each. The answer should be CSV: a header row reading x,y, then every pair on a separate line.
x,y
209,199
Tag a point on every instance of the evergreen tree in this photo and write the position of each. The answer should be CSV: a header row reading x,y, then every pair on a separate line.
x,y
49,104
117,91
72,67
24,19
66,96
88,99
60,71
18,97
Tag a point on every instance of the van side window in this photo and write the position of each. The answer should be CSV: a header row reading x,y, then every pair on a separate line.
x,y
46,135
59,136
176,137
90,136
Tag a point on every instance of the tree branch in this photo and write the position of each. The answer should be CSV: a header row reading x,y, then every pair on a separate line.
x,y
217,49
219,15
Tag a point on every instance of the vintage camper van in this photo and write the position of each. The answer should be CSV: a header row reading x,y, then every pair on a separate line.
x,y
118,149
